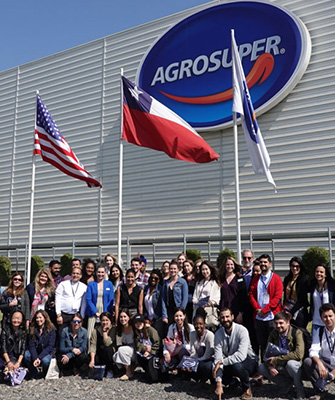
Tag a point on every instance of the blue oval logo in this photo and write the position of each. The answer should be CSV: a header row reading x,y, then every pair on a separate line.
x,y
189,68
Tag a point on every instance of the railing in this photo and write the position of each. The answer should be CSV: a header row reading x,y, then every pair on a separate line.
x,y
281,246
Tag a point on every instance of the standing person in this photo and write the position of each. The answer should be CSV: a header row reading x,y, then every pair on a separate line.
x,y
233,355
110,261
15,298
141,280
55,267
123,339
147,344
129,296
101,350
266,291
41,294
320,365
188,275
197,266
247,266
165,270
207,293
179,331
143,265
72,348
13,341
174,294
70,298
248,271
88,271
181,258
75,263
152,306
233,288
285,369
322,290
99,298
41,344
295,293
116,276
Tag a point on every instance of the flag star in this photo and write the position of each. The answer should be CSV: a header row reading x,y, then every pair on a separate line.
x,y
135,92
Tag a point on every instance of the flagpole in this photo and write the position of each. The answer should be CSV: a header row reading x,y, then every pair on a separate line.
x,y
119,241
32,199
237,179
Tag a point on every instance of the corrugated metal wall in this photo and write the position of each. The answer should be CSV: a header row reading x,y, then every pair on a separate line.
x,y
164,197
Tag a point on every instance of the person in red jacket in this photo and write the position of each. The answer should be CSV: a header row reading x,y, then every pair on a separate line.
x,y
266,291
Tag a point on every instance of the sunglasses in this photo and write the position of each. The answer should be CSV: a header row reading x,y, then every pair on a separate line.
x,y
154,278
76,321
247,258
295,266
17,279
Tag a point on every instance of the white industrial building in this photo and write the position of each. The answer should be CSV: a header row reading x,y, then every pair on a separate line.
x,y
162,197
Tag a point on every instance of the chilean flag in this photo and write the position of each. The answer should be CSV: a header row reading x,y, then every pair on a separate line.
x,y
148,123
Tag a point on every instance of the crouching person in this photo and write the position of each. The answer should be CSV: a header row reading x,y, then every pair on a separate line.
x,y
233,355
72,348
320,365
285,369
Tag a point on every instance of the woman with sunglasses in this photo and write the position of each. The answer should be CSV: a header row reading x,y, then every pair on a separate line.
x,y
99,298
72,348
14,298
41,344
41,294
13,342
295,294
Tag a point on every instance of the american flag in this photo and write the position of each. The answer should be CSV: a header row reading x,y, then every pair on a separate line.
x,y
54,149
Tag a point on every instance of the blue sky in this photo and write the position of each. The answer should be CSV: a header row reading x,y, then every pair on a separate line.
x,y
32,29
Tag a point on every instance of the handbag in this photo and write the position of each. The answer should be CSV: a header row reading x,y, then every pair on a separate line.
x,y
97,372
171,345
212,317
53,370
15,376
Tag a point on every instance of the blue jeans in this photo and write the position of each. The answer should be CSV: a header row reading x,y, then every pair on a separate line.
x,y
29,363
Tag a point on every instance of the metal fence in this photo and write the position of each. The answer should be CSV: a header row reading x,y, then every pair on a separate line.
x,y
279,245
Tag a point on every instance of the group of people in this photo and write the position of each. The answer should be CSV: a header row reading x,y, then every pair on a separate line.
x,y
192,319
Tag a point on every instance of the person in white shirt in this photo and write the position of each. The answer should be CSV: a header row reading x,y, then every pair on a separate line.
x,y
320,365
70,298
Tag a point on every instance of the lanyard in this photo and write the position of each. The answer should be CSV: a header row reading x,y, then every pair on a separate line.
x,y
74,292
331,348
320,293
266,286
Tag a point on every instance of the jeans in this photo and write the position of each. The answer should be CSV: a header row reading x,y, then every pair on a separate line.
x,y
288,375
29,363
242,370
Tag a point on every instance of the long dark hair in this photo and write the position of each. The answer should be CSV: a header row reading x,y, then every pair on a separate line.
x,y
138,332
299,261
214,272
10,289
48,325
111,278
119,326
85,277
185,325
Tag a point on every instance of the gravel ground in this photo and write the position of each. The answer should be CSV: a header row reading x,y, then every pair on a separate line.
x,y
71,388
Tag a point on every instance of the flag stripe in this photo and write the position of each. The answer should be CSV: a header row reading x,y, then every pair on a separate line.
x,y
51,145
149,123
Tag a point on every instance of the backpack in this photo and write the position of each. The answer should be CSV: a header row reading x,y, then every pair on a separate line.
x,y
307,338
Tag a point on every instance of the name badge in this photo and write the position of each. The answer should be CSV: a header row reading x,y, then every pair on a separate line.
x,y
266,298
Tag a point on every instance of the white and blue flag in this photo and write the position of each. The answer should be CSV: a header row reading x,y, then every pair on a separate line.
x,y
242,104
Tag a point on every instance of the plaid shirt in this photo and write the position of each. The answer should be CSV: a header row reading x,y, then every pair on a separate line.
x,y
142,280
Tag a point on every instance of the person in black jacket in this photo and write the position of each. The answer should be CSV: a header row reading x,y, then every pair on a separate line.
x,y
295,294
13,342
41,344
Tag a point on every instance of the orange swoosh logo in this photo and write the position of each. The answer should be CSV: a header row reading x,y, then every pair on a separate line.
x,y
258,74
